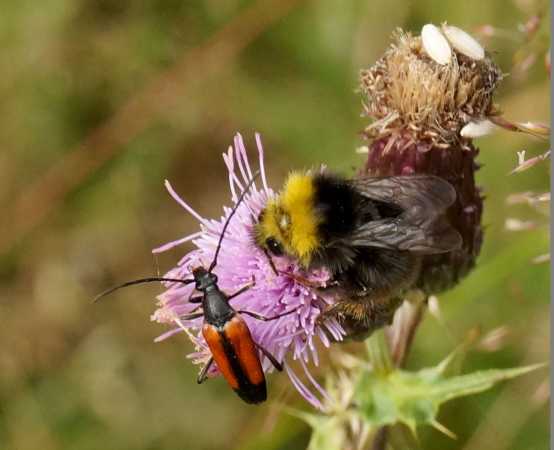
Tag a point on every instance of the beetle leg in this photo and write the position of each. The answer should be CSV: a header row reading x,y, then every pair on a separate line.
x,y
264,318
269,356
197,299
204,372
243,289
195,309
192,316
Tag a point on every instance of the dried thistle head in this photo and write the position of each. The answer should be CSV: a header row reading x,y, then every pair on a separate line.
x,y
408,91
427,97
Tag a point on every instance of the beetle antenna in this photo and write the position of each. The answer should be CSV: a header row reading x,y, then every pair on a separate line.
x,y
241,198
140,281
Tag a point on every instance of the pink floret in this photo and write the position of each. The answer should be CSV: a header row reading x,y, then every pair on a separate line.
x,y
240,262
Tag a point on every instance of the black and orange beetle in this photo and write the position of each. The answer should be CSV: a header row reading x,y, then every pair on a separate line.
x,y
234,351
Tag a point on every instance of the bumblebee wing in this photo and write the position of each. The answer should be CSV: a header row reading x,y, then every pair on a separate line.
x,y
402,234
421,227
420,192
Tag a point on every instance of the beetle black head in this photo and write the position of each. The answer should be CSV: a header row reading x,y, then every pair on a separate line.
x,y
203,278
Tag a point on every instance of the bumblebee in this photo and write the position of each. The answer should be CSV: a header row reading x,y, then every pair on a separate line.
x,y
370,233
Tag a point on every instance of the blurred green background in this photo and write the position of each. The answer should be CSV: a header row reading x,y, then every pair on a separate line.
x,y
103,99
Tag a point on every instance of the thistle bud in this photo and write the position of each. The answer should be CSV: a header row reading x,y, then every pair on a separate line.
x,y
425,110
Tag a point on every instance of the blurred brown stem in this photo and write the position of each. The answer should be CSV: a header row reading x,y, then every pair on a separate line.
x,y
48,193
402,333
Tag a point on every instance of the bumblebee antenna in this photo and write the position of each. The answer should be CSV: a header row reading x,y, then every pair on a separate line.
x,y
241,198
139,281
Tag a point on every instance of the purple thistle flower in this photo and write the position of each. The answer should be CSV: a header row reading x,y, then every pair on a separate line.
x,y
241,261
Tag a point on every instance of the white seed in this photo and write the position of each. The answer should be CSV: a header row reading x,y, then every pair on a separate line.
x,y
435,44
544,258
512,224
464,42
477,129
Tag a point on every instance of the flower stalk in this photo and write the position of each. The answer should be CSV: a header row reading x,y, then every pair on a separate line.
x,y
379,353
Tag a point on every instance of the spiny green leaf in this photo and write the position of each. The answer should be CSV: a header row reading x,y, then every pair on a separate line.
x,y
414,398
331,435
378,352
328,432
312,420
476,382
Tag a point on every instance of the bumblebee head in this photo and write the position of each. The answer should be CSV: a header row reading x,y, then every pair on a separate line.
x,y
289,223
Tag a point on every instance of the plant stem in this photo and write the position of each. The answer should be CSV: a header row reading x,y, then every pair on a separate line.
x,y
400,338
402,333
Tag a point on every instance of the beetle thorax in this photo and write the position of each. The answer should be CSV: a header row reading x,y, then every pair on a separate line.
x,y
217,310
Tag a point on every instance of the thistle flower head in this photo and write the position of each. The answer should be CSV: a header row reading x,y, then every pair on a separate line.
x,y
428,97
429,87
240,262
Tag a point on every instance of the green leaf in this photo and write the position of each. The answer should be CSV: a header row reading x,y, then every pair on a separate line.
x,y
378,352
330,435
476,382
328,432
414,398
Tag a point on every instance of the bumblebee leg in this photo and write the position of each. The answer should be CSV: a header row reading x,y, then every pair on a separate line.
x,y
343,310
354,317
300,280
305,282
362,316
243,289
264,318
272,265
272,358
203,375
